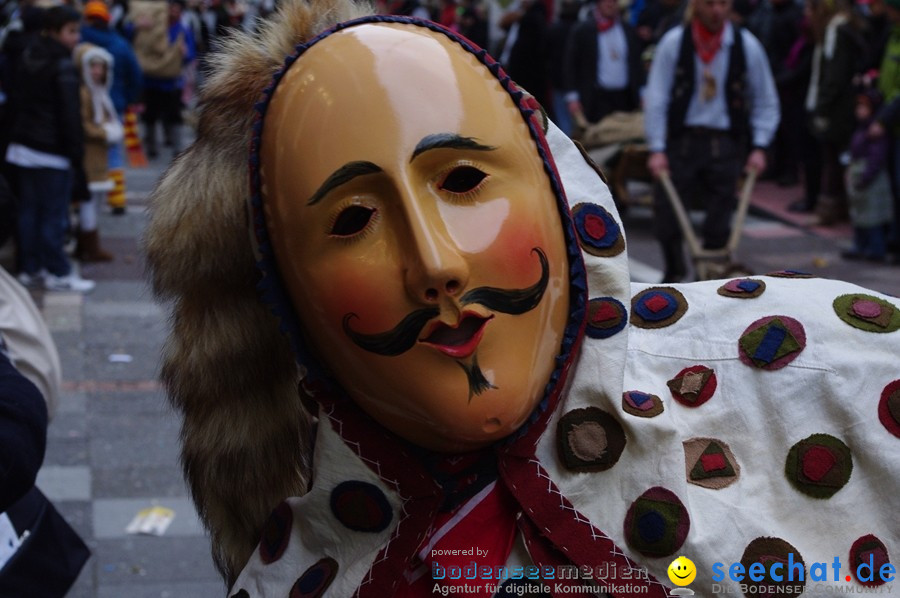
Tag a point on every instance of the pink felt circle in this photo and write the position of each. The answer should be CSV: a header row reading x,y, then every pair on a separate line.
x,y
866,309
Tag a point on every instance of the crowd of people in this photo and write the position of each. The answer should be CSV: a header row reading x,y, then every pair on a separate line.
x,y
73,80
814,97
829,70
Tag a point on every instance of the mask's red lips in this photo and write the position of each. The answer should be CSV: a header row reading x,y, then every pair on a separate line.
x,y
458,341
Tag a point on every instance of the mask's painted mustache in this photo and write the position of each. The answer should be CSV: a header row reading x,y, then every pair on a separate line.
x,y
513,302
399,339
403,336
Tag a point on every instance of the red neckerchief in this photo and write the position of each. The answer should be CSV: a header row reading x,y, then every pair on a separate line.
x,y
706,42
603,24
481,531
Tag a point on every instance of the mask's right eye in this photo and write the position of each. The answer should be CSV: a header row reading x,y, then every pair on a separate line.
x,y
352,220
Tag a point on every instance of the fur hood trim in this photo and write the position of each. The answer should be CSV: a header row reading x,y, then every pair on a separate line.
x,y
226,366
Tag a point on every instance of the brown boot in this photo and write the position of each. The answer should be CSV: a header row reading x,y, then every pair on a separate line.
x,y
88,248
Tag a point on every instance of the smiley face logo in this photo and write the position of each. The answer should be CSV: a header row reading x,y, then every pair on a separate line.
x,y
682,571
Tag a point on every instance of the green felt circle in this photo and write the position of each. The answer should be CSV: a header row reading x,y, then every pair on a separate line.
x,y
835,479
888,322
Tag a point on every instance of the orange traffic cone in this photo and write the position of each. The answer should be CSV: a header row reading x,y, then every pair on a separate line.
x,y
136,156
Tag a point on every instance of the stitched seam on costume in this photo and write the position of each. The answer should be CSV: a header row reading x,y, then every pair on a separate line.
x,y
793,364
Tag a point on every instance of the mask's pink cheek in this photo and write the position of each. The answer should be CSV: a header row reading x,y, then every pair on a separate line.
x,y
374,300
513,255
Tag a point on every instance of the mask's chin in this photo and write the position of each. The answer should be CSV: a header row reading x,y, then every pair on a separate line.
x,y
459,437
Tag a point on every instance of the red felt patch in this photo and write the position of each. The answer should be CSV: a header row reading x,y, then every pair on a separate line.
x,y
817,462
594,226
713,462
699,387
871,551
656,303
889,408
605,312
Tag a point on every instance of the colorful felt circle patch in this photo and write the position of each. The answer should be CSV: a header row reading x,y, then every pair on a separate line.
x,y
889,408
589,439
361,506
871,552
276,534
606,317
742,288
710,463
315,580
790,274
598,231
766,552
819,465
693,386
641,404
657,523
772,342
867,313
657,307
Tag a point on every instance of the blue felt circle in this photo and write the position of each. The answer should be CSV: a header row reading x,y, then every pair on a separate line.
x,y
595,331
611,234
652,316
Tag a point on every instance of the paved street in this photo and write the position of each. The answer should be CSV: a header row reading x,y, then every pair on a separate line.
x,y
113,447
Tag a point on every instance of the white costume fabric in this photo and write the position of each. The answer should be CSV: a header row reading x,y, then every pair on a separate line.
x,y
684,432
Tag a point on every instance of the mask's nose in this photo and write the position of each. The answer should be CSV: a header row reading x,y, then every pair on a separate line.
x,y
435,266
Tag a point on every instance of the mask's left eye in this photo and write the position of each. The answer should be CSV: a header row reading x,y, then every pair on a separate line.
x,y
462,179
352,220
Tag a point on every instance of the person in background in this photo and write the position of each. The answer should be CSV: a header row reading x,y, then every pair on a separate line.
x,y
47,144
839,55
603,68
102,128
786,23
163,91
407,8
710,96
868,186
229,15
473,22
192,18
127,82
558,37
656,18
522,55
887,120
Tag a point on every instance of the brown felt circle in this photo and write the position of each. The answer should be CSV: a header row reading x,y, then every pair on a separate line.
x,y
589,439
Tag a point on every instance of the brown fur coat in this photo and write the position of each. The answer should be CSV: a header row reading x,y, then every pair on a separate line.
x,y
226,366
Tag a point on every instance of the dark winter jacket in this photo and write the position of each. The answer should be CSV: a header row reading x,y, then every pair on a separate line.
x,y
23,433
834,102
48,117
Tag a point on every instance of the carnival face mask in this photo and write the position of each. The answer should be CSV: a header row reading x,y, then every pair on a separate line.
x,y
416,233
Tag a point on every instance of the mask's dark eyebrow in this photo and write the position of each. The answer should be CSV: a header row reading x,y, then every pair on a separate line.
x,y
451,140
342,175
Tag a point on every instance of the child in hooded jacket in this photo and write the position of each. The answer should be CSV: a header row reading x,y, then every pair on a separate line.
x,y
868,186
102,128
